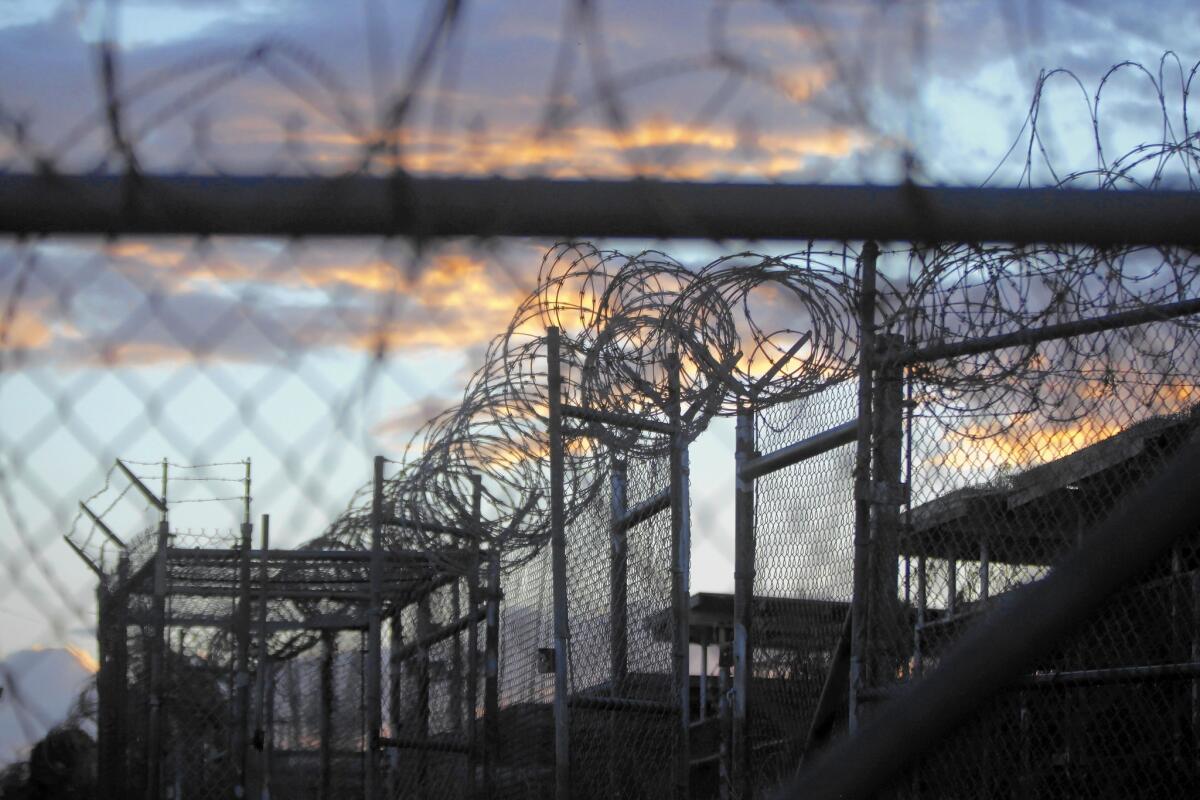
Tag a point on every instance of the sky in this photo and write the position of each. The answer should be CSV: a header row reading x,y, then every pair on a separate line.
x,y
309,357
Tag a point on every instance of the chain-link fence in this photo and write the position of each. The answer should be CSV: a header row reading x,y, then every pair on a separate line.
x,y
504,608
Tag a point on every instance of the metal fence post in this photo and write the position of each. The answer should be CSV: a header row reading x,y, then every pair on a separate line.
x,y
326,716
618,643
883,606
491,685
743,606
107,754
862,481
617,579
265,677
158,647
395,711
374,688
421,712
558,555
473,639
242,678
681,548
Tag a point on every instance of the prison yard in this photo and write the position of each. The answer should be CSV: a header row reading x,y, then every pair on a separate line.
x,y
786,400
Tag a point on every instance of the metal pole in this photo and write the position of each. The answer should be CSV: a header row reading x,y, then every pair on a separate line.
x,y
743,602
681,550
645,209
922,615
558,555
884,619
454,700
241,732
265,678
107,764
158,646
120,670
395,710
617,579
473,640
326,719
268,745
862,481
618,652
374,687
724,714
491,685
421,713
985,587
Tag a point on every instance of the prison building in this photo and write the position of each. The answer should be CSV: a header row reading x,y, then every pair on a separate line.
x,y
1115,702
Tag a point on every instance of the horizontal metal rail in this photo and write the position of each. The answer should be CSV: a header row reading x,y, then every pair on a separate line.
x,y
800,451
328,623
1031,621
445,632
1109,675
1058,679
431,745
233,554
277,592
439,207
1063,330
645,510
596,703
616,418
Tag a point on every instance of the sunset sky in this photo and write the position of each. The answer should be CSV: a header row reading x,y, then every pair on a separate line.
x,y
225,349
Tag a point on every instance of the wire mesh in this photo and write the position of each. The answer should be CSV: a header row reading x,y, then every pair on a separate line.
x,y
1009,456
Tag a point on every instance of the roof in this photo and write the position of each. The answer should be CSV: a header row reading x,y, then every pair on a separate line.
x,y
1031,517
779,622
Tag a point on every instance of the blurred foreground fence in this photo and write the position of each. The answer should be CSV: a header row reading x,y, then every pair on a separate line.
x,y
923,432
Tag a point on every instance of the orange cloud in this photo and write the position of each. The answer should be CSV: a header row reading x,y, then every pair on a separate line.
x,y
25,331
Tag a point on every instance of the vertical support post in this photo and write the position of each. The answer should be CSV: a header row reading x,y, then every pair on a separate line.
x,y
725,768
374,687
158,646
454,699
268,745
618,587
265,679
618,598
326,716
952,585
704,679
984,569
558,556
884,647
120,672
922,615
743,602
113,674
681,552
491,677
241,730
108,761
421,712
862,480
1195,654
395,711
473,640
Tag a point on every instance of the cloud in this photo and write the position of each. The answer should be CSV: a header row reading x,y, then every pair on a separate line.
x,y
141,302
